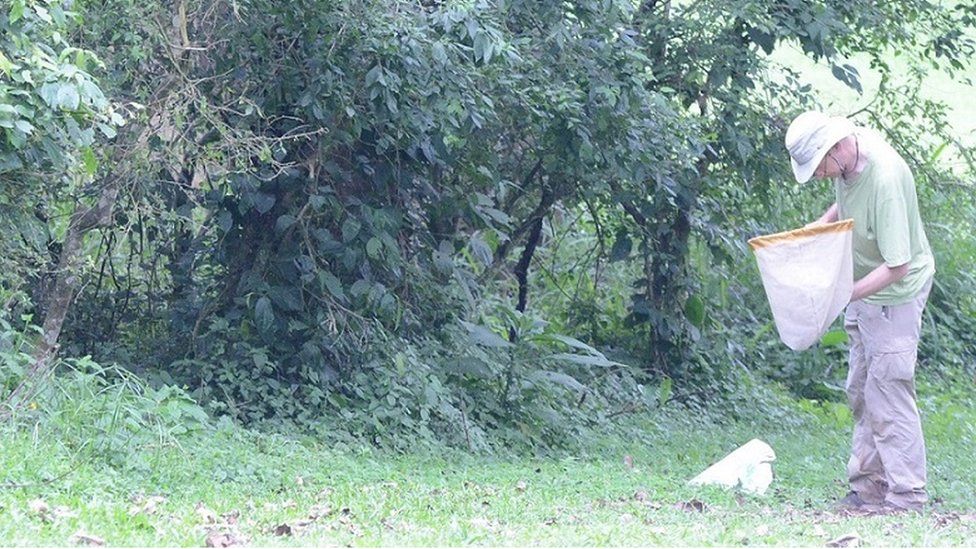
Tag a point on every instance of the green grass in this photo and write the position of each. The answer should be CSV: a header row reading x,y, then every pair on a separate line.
x,y
253,483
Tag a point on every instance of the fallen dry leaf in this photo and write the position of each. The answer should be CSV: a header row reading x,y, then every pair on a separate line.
x,y
894,528
38,507
824,517
353,529
147,506
484,523
692,506
87,539
945,519
224,539
847,540
61,511
231,518
521,486
390,523
318,511
46,513
206,516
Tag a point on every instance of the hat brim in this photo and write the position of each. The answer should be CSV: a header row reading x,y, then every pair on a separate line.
x,y
838,128
804,172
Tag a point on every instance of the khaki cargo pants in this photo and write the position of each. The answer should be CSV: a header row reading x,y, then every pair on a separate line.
x,y
888,456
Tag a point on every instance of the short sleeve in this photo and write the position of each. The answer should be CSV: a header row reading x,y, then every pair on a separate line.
x,y
892,230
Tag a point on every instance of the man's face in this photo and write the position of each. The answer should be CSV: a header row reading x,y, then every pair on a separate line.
x,y
829,167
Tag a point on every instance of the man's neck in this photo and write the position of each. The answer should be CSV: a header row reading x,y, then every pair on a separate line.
x,y
855,160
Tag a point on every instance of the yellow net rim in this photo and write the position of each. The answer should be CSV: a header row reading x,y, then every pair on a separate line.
x,y
760,242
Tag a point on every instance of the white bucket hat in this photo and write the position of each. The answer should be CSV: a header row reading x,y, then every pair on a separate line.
x,y
810,136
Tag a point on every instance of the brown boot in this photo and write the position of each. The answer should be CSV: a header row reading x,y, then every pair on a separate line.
x,y
851,501
887,508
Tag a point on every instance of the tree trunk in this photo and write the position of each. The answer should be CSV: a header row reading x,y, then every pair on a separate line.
x,y
59,299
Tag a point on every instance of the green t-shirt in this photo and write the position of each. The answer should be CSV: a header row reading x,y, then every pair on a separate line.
x,y
887,227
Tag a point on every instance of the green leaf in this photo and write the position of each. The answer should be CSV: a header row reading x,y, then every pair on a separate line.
x,y
834,338
479,46
92,93
763,39
264,314
375,75
16,11
848,75
350,228
695,311
558,378
664,391
5,64
49,93
332,284
24,126
485,337
263,202
88,161
284,222
571,341
585,360
480,249
42,12
67,97
439,53
621,247
107,131
469,366
359,287
373,247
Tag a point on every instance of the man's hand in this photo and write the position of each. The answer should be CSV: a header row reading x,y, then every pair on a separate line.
x,y
877,280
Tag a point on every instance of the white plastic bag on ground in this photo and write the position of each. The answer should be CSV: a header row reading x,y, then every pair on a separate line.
x,y
749,466
808,275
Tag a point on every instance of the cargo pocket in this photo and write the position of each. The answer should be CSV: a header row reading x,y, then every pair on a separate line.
x,y
895,366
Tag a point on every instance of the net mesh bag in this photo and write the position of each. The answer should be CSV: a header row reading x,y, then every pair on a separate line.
x,y
808,275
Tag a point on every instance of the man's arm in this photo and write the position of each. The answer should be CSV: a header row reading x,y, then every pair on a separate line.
x,y
828,217
878,279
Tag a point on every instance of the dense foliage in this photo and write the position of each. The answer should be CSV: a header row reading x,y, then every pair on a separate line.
x,y
476,222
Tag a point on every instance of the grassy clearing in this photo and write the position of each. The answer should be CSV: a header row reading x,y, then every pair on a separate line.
x,y
272,490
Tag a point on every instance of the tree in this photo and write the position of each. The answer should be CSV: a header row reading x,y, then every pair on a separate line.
x,y
50,111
